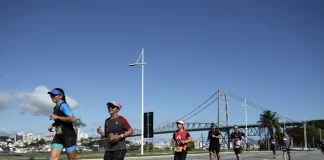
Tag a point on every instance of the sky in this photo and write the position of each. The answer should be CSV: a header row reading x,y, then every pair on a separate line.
x,y
270,52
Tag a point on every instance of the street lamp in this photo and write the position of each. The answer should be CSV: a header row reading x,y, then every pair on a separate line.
x,y
246,130
305,135
142,64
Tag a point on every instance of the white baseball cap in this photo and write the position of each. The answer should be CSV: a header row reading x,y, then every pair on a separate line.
x,y
181,122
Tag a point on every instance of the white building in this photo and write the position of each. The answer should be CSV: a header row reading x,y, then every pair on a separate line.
x,y
49,137
83,135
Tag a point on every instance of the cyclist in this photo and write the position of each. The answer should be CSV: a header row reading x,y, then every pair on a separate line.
x,y
213,137
236,138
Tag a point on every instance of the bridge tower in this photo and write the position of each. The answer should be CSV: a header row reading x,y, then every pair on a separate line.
x,y
222,109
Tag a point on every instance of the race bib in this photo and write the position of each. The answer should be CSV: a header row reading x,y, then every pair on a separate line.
x,y
110,137
285,139
273,142
58,130
177,149
237,147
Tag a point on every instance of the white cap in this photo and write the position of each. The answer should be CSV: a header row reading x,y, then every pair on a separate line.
x,y
181,122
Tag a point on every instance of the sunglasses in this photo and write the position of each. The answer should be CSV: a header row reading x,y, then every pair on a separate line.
x,y
53,95
111,106
235,128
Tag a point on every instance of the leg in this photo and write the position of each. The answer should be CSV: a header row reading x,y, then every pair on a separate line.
x,y
237,153
56,148
211,153
183,155
71,152
119,154
69,143
108,155
56,151
284,154
288,152
176,155
217,150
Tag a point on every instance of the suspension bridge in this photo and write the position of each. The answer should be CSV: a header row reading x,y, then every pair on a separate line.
x,y
221,97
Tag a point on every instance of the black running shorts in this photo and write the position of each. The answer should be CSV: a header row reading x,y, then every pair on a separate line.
x,y
214,148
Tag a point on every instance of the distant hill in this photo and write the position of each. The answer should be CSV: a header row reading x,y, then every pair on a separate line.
x,y
317,123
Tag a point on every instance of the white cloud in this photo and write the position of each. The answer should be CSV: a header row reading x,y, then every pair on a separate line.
x,y
4,132
38,102
5,99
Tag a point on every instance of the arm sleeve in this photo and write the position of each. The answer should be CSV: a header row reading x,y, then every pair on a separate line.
x,y
125,123
243,134
65,108
173,136
187,135
232,136
208,137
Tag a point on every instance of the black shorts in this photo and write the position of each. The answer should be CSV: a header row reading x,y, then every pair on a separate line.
x,y
238,150
115,155
66,140
273,147
286,149
214,148
180,155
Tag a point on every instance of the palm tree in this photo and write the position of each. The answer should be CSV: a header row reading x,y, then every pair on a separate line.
x,y
78,123
270,121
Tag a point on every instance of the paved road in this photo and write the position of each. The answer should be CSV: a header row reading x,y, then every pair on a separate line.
x,y
297,155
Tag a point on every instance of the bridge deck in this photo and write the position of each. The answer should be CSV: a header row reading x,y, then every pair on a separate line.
x,y
205,127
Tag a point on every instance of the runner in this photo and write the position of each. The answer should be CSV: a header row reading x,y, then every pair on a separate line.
x,y
117,129
65,136
236,138
286,144
181,138
274,144
213,137
248,146
322,146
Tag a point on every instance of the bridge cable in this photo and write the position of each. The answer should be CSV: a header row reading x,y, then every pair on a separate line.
x,y
257,106
202,109
198,106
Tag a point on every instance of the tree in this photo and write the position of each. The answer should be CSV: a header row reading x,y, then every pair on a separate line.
x,y
298,134
191,146
270,121
41,141
4,138
78,123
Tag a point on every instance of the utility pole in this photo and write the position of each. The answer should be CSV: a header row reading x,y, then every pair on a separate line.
x,y
246,117
202,141
320,130
305,136
313,138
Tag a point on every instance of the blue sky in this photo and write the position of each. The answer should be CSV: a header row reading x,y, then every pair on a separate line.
x,y
269,52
